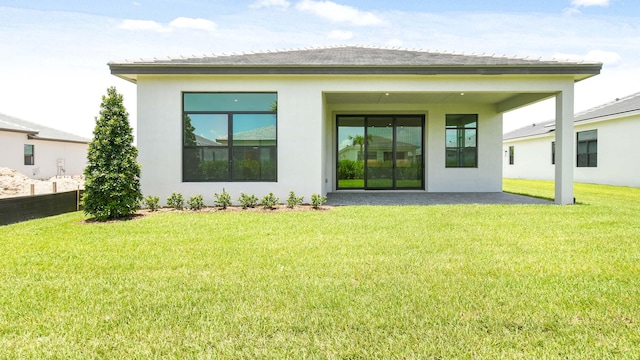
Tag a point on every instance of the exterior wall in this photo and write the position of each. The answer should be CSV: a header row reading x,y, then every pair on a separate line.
x,y
485,178
307,129
616,154
300,140
531,160
46,156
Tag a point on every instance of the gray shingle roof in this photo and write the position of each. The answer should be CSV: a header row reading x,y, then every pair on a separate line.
x,y
351,60
263,133
348,55
531,130
622,106
37,131
617,107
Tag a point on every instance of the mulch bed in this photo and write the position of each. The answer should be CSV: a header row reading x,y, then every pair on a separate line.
x,y
140,214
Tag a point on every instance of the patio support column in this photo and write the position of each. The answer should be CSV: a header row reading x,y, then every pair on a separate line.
x,y
564,147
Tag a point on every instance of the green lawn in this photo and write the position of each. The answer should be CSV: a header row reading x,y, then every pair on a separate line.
x,y
433,282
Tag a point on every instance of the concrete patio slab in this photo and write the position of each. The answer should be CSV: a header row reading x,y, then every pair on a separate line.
x,y
426,198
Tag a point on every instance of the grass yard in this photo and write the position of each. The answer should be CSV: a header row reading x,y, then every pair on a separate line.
x,y
433,282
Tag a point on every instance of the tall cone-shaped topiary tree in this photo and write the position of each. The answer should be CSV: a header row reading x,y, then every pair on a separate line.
x,y
112,175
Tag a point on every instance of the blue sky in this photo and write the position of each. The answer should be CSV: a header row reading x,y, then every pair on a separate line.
x,y
53,68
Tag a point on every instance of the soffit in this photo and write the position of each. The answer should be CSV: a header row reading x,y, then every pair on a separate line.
x,y
418,98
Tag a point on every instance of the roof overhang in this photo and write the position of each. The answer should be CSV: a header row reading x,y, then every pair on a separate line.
x,y
131,71
36,137
22,131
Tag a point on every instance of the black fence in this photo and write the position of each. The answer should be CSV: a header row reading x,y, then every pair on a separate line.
x,y
16,209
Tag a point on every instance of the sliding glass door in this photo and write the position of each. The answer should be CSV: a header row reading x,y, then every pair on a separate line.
x,y
380,152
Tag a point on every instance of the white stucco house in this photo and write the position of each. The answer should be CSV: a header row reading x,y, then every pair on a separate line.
x,y
443,108
604,151
40,152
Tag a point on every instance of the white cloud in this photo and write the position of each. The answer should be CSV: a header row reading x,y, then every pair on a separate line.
x,y
191,23
145,25
339,13
605,57
177,23
571,12
340,35
590,2
270,3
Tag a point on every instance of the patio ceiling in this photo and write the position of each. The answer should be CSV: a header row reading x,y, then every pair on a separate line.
x,y
504,101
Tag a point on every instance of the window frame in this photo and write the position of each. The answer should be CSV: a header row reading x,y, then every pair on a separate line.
x,y
591,156
29,159
230,147
459,149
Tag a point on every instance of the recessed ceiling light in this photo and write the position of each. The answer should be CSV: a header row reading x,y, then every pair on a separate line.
x,y
462,94
386,94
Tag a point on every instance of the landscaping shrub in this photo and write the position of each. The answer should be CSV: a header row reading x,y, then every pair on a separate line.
x,y
151,202
196,202
270,201
248,201
292,200
176,201
222,200
317,200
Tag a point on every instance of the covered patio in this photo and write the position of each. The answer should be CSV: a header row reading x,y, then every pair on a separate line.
x,y
342,198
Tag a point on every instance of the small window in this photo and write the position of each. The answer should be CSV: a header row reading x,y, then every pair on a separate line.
x,y
553,153
510,155
587,151
28,155
461,140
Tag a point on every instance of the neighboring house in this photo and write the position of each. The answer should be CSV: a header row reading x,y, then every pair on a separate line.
x,y
40,152
378,149
448,106
604,150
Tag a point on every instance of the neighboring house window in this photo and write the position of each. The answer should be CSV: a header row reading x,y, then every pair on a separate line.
x,y
28,155
229,137
510,155
461,140
553,153
588,148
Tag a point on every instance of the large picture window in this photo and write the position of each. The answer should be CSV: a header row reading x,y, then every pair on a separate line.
x,y
461,140
587,148
229,137
29,158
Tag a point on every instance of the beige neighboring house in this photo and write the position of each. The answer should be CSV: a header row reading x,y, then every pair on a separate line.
x,y
279,119
40,152
605,147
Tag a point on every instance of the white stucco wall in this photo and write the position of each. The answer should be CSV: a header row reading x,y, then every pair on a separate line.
x,y
617,154
306,129
300,139
46,156
486,177
532,159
